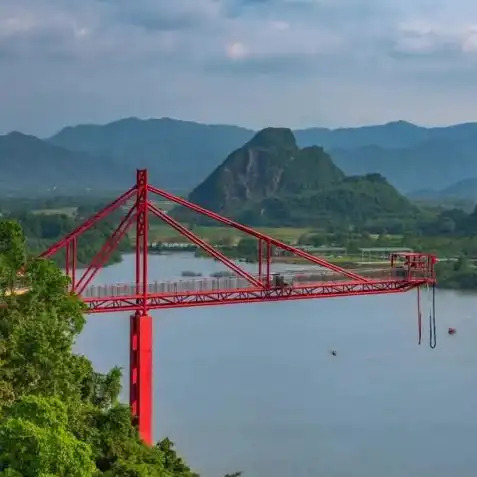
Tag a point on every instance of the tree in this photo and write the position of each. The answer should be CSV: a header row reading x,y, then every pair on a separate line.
x,y
316,240
340,239
12,253
12,243
35,441
225,240
38,330
247,246
462,264
172,461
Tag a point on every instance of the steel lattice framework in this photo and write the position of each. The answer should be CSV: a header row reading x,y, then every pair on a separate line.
x,y
406,272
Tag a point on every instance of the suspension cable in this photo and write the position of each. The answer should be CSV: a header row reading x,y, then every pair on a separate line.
x,y
419,316
432,320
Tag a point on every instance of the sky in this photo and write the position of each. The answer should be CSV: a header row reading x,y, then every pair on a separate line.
x,y
254,63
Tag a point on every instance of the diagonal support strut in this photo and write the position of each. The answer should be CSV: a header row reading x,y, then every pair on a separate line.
x,y
106,250
258,235
204,245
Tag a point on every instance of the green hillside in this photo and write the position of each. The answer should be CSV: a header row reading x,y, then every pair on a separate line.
x,y
270,181
178,154
30,167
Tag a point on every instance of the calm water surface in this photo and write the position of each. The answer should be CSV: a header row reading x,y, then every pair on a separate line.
x,y
254,387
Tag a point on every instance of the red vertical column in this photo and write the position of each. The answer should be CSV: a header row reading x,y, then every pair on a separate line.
x,y
269,261
140,392
140,389
73,267
260,257
70,263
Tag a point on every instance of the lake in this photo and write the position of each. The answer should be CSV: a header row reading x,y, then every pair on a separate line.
x,y
254,387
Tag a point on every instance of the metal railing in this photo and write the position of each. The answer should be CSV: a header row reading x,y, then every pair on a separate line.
x,y
210,284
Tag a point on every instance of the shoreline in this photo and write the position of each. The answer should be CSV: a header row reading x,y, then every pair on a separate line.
x,y
352,265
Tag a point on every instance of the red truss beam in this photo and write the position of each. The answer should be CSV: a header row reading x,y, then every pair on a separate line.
x,y
70,261
123,298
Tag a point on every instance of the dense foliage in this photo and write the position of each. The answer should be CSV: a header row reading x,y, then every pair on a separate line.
x,y
367,202
43,229
458,275
58,417
56,202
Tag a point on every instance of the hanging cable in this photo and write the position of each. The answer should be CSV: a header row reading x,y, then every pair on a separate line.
x,y
419,320
432,320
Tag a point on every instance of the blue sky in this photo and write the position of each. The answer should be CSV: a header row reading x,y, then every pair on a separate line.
x,y
248,62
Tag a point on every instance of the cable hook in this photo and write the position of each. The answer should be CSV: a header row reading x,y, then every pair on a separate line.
x,y
432,320
419,316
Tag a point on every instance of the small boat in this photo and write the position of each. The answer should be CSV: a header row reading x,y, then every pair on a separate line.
x,y
451,331
333,352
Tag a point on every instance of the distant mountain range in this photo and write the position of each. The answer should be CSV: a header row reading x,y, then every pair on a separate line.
x,y
181,154
463,190
178,154
30,166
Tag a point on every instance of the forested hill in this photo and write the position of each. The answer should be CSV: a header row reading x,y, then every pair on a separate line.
x,y
269,165
271,181
178,154
31,166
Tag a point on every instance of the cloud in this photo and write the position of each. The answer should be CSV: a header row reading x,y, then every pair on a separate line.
x,y
154,15
236,51
206,59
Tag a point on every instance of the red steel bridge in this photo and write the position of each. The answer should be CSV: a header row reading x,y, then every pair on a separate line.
x,y
325,280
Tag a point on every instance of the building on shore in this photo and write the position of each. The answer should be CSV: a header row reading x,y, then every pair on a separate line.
x,y
374,253
323,251
173,246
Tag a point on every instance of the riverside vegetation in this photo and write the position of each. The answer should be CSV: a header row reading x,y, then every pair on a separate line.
x,y
45,223
58,416
448,233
